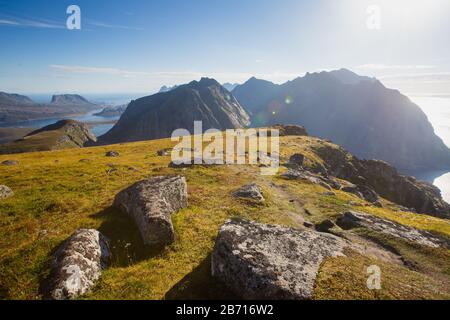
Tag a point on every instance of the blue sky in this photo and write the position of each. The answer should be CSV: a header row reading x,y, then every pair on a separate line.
x,y
135,46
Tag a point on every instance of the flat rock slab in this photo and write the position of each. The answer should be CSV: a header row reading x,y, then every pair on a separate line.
x,y
250,191
78,264
5,192
259,261
150,203
351,219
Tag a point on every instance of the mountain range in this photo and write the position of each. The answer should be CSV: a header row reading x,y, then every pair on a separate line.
x,y
356,112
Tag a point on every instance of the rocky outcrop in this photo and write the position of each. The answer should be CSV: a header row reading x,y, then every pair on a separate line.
x,y
63,134
159,115
5,192
351,219
259,261
78,264
150,204
383,179
362,192
323,180
249,191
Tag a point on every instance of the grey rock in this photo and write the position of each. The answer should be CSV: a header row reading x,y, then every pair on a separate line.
x,y
259,261
250,191
163,153
78,264
5,192
351,219
325,225
112,154
150,203
10,163
293,174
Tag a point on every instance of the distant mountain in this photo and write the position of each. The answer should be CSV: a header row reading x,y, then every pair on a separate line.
x,y
13,99
69,99
18,108
63,134
356,112
230,86
158,115
255,93
112,111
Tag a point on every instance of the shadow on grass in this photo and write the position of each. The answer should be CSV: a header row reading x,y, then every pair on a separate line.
x,y
200,285
126,243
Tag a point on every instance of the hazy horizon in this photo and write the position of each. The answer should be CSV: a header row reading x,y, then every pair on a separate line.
x,y
138,47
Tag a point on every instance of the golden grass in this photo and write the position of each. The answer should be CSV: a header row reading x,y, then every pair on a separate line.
x,y
56,193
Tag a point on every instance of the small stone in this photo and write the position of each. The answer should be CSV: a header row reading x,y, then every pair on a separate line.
x,y
112,154
250,191
5,192
10,163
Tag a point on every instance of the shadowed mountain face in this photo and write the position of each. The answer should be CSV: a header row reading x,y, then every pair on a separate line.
x,y
157,116
359,113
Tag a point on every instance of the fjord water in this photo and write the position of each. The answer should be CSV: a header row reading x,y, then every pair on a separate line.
x,y
437,110
100,125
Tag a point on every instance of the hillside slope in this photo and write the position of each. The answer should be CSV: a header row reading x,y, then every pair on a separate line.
x,y
68,189
356,112
63,134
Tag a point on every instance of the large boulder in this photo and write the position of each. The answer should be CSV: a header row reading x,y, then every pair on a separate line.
x,y
5,192
150,203
78,264
351,219
259,261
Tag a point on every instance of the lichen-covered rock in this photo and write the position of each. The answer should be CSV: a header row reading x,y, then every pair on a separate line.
x,y
150,203
78,264
5,192
259,261
351,219
249,191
